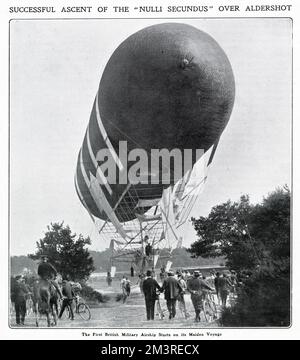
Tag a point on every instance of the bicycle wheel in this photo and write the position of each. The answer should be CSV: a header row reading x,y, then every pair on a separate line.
x,y
29,307
209,310
213,305
84,311
67,312
160,312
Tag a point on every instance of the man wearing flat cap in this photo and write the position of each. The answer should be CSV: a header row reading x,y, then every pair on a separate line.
x,y
172,290
150,286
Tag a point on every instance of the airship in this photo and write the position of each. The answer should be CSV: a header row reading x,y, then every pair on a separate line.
x,y
167,86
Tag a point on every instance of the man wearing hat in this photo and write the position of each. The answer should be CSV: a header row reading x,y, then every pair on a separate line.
x,y
196,286
19,293
225,286
149,289
47,272
172,290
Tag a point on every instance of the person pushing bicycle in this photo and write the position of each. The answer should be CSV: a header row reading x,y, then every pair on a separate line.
x,y
197,287
68,295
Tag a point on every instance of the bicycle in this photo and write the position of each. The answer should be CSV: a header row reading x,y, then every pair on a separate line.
x,y
209,307
182,307
160,312
29,305
80,308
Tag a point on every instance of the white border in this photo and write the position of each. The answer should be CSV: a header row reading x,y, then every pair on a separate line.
x,y
7,333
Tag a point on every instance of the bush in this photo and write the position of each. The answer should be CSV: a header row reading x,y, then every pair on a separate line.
x,y
119,297
92,295
263,301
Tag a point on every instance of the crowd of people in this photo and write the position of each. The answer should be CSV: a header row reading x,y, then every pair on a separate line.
x,y
24,290
174,285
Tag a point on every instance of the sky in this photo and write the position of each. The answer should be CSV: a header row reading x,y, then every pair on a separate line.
x,y
55,69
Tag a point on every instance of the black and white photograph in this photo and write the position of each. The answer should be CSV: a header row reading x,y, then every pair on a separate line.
x,y
150,173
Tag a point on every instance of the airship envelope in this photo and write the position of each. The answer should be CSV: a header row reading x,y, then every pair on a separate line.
x,y
167,86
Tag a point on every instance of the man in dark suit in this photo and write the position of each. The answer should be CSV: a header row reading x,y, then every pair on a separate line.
x,y
172,290
149,289
225,286
19,292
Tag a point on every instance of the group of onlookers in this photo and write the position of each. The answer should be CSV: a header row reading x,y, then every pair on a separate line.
x,y
24,289
175,285
22,294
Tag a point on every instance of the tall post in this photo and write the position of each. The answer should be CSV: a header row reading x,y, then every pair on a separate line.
x,y
143,264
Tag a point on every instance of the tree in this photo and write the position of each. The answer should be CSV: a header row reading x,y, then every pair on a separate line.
x,y
247,235
225,232
270,224
18,263
69,255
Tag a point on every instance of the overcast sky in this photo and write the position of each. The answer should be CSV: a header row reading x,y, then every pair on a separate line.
x,y
56,67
